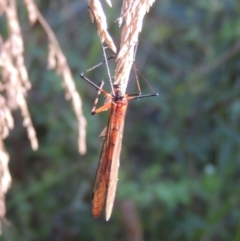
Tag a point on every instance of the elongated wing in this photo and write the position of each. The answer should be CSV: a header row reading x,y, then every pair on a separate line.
x,y
114,170
107,173
103,171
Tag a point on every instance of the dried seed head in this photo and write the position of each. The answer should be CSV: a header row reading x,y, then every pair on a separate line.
x,y
97,14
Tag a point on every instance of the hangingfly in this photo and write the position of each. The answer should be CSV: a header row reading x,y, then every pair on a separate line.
x,y
107,173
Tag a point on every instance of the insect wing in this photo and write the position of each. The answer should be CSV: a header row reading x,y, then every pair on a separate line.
x,y
114,172
103,172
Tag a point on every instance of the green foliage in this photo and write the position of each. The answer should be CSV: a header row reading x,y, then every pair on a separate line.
x,y
180,156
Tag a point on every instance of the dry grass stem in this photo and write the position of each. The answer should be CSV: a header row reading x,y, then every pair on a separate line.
x,y
109,3
5,178
6,124
132,14
57,60
97,14
14,85
3,5
15,73
13,88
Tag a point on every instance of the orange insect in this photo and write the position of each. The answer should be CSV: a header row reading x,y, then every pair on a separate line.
x,y
107,173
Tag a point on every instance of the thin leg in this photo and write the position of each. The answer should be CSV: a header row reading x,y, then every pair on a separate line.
x,y
105,107
106,61
97,97
97,65
136,71
137,80
82,75
94,85
137,96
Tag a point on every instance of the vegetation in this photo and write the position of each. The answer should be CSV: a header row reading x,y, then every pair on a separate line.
x,y
180,166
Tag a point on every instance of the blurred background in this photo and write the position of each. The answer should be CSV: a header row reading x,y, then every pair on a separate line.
x,y
180,159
